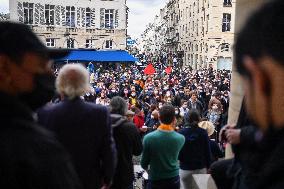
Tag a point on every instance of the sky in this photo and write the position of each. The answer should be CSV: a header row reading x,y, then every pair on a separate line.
x,y
141,13
4,6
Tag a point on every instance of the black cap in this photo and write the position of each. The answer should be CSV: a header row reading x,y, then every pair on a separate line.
x,y
17,39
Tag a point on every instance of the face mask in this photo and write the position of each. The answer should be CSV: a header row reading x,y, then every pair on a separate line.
x,y
152,117
176,112
133,94
113,91
160,106
42,93
214,107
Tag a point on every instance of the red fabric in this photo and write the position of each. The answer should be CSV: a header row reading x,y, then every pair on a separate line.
x,y
149,70
138,121
168,70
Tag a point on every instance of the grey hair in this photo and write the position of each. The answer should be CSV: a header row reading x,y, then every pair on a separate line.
x,y
118,106
73,80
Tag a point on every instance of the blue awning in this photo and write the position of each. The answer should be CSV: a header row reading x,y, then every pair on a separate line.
x,y
99,56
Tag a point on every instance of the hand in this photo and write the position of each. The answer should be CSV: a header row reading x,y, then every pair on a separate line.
x,y
233,135
223,130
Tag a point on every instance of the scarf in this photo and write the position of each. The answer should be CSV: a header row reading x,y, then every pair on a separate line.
x,y
166,127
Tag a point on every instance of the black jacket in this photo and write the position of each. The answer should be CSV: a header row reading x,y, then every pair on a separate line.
x,y
196,153
30,157
84,129
128,143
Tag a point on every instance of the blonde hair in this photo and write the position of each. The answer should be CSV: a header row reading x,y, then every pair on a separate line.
x,y
73,80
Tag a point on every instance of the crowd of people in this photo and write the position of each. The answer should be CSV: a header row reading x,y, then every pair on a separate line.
x,y
86,137
205,90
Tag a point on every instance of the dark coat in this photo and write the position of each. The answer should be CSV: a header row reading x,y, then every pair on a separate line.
x,y
30,156
84,130
199,106
196,153
128,143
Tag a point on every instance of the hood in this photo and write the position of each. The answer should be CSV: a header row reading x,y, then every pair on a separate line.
x,y
117,120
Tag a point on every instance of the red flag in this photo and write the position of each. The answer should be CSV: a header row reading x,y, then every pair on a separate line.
x,y
149,70
168,70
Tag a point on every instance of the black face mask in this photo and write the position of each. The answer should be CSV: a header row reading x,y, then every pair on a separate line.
x,y
43,92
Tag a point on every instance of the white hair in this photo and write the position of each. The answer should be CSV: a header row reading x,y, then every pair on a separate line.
x,y
73,81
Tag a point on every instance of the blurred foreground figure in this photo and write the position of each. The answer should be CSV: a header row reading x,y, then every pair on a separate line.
x,y
30,156
260,61
82,127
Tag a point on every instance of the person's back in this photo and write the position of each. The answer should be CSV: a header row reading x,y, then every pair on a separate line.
x,y
160,152
128,143
195,153
164,148
83,128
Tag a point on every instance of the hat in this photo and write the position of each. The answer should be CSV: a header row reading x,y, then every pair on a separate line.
x,y
130,113
17,39
208,126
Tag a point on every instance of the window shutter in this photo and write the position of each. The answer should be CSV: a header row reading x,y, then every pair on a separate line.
x,y
63,17
57,15
102,18
79,16
116,18
93,17
20,12
37,14
83,13
41,13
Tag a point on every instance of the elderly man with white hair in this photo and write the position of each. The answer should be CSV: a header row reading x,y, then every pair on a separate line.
x,y
83,128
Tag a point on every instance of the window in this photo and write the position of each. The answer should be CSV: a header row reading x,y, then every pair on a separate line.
x,y
49,14
90,43
28,13
50,42
70,43
109,18
227,3
226,22
197,6
88,17
225,47
207,23
108,44
70,16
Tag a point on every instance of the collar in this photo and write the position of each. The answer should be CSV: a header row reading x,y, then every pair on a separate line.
x,y
165,127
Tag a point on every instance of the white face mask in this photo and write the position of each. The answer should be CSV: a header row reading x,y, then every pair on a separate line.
x,y
152,117
214,107
176,112
160,106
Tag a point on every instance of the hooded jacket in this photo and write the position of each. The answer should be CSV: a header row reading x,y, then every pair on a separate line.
x,y
128,143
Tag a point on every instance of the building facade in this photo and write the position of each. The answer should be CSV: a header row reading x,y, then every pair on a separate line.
x,y
96,24
200,31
